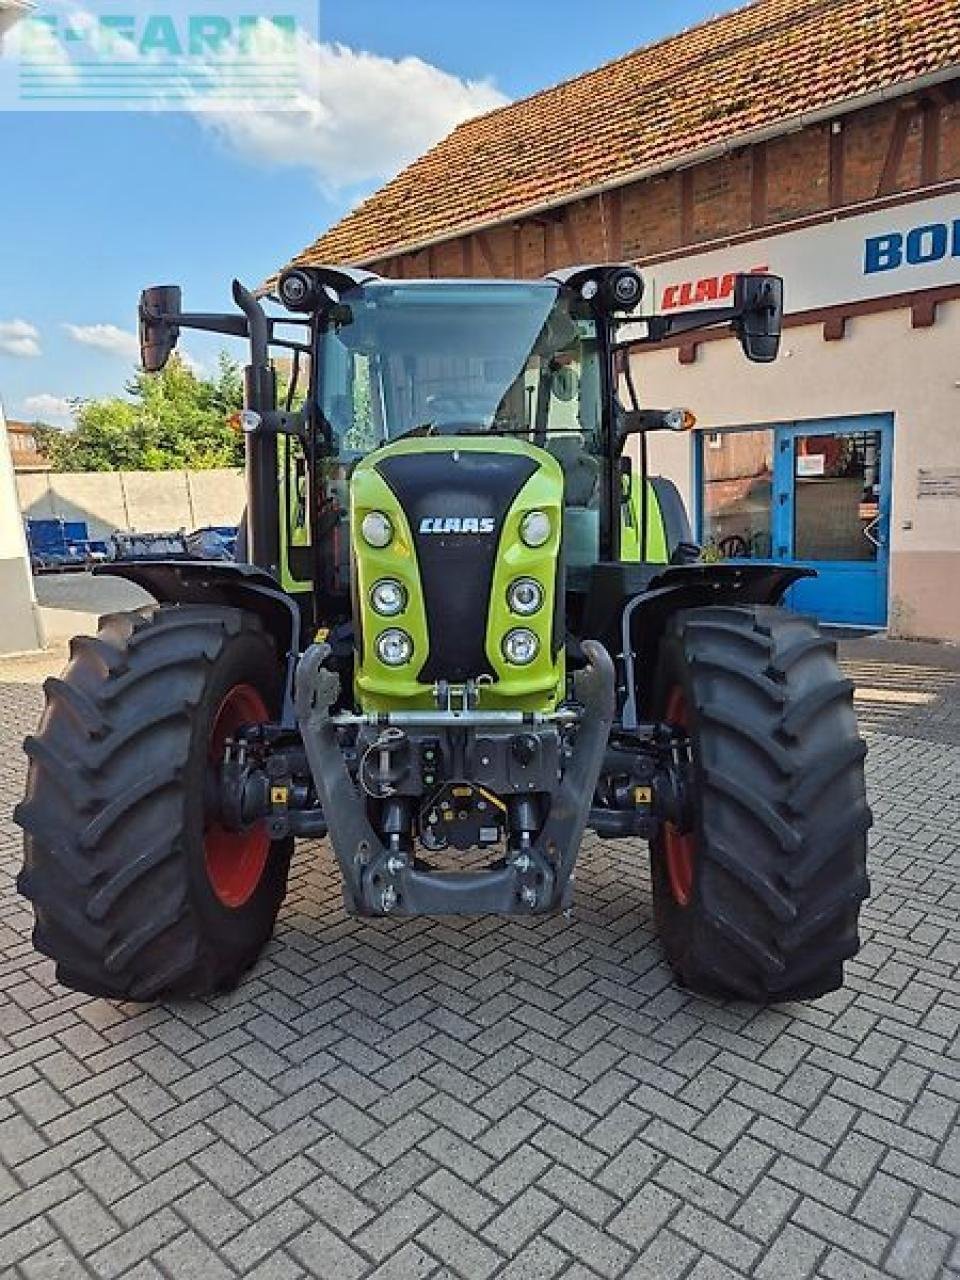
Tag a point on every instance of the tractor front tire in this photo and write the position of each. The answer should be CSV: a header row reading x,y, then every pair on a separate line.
x,y
759,896
138,891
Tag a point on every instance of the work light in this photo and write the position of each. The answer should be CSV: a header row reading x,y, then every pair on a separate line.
x,y
627,288
388,597
377,529
520,646
299,289
394,647
525,596
535,528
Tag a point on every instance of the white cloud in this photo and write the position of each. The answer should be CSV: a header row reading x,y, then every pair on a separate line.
x,y
55,410
358,117
106,337
196,366
17,338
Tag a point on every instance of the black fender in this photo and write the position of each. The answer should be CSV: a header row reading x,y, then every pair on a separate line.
x,y
239,586
644,619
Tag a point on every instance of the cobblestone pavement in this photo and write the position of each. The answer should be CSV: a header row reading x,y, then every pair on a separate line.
x,y
411,1099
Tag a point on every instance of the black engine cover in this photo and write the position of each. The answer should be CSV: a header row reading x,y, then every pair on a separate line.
x,y
456,503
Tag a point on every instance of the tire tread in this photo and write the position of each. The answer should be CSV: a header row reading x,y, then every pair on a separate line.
x,y
782,842
104,857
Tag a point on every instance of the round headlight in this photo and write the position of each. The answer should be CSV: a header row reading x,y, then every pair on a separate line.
x,y
627,289
394,647
525,596
296,289
388,597
535,528
377,529
520,646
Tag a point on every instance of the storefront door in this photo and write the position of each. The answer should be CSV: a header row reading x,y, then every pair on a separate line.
x,y
811,493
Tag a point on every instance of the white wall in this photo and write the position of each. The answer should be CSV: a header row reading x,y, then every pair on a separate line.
x,y
149,501
881,366
19,620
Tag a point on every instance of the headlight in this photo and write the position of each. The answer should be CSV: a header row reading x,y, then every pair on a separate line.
x,y
388,597
525,596
535,528
377,529
394,647
520,646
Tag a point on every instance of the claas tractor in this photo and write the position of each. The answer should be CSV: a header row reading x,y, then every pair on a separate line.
x,y
463,628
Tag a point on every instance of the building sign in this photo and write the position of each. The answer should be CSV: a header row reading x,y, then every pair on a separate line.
x,y
870,255
938,482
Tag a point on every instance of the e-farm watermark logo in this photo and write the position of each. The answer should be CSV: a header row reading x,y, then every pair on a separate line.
x,y
101,55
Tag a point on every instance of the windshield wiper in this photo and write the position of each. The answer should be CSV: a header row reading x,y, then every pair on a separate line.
x,y
516,431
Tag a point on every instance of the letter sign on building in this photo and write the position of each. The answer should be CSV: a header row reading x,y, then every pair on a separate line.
x,y
846,259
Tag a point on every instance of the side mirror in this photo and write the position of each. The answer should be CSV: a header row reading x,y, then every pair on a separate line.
x,y
759,301
159,331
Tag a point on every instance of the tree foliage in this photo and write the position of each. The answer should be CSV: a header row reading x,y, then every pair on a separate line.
x,y
174,420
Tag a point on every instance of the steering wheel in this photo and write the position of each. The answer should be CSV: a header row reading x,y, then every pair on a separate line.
x,y
734,547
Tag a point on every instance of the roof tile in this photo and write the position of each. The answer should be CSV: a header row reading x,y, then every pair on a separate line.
x,y
748,70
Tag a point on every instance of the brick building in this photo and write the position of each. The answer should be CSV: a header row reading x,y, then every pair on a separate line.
x,y
25,448
819,139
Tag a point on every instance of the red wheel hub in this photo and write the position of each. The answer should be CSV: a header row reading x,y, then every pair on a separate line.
x,y
235,859
680,846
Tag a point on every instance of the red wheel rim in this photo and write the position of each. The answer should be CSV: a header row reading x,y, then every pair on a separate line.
x,y
680,846
235,860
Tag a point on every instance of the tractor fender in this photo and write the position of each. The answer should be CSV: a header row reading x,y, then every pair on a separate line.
x,y
238,586
644,618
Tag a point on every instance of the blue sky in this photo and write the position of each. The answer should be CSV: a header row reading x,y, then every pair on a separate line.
x,y
96,205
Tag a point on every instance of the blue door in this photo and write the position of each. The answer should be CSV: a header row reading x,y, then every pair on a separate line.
x,y
808,493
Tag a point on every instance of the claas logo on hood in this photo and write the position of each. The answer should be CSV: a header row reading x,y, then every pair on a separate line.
x,y
457,524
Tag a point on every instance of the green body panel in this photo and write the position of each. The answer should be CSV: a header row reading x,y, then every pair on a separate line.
x,y
538,686
657,550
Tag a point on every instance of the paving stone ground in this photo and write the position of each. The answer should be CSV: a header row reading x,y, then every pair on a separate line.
x,y
512,1099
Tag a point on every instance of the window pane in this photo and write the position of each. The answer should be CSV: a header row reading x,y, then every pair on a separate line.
x,y
837,495
738,490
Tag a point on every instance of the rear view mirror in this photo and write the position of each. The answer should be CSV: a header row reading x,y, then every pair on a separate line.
x,y
759,301
159,331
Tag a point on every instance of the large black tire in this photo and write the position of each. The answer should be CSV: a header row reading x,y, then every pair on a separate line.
x,y
117,837
761,898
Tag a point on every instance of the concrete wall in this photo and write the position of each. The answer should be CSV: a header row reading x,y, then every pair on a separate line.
x,y
20,628
881,366
143,500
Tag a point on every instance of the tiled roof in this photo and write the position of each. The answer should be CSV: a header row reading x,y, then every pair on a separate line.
x,y
745,71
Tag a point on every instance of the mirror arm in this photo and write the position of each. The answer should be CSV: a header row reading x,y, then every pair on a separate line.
x,y
661,327
231,325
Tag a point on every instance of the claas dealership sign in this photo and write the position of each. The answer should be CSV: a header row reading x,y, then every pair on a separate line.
x,y
870,255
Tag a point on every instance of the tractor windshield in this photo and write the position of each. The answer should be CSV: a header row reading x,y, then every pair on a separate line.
x,y
452,357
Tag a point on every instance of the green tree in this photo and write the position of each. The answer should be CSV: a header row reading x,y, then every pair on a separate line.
x,y
172,420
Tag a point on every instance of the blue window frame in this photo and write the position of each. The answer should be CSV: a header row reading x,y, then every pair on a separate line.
x,y
814,493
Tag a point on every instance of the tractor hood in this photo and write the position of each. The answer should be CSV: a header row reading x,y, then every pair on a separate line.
x,y
454,509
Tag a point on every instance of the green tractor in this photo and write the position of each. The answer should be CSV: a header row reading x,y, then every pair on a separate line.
x,y
462,629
